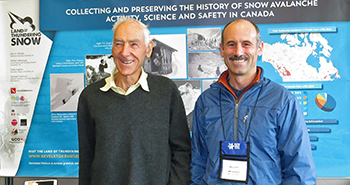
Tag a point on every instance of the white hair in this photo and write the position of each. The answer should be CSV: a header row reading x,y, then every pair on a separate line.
x,y
146,31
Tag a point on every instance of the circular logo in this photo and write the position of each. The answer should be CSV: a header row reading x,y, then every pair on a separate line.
x,y
14,122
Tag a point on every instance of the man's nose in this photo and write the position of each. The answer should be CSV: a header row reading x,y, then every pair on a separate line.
x,y
238,50
125,50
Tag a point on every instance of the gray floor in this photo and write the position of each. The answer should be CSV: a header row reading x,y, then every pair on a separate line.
x,y
333,181
74,181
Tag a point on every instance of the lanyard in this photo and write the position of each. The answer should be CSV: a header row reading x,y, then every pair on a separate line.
x,y
253,114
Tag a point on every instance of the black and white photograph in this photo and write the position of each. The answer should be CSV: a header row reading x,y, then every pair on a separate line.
x,y
98,67
65,90
189,91
205,65
206,84
168,56
203,39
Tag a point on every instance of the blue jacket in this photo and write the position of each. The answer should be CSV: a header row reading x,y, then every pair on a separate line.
x,y
279,140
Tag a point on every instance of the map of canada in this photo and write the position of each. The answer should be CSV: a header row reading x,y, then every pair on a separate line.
x,y
301,57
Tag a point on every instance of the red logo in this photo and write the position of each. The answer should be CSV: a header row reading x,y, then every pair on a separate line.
x,y
14,122
13,90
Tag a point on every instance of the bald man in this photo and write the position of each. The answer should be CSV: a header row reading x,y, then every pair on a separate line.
x,y
246,128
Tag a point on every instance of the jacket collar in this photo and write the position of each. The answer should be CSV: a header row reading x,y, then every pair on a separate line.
x,y
223,80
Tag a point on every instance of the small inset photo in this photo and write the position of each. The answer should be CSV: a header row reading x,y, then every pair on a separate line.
x,y
168,57
202,39
65,90
189,90
205,65
98,67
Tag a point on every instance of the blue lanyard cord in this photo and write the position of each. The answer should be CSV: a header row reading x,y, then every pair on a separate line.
x,y
222,121
250,121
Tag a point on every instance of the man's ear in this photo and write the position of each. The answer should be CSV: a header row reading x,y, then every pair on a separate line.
x,y
149,49
260,48
221,50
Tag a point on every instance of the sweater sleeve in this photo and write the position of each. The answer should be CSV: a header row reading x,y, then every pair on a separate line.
x,y
294,147
179,141
86,134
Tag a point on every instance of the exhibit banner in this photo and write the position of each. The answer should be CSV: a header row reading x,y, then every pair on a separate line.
x,y
89,14
305,50
25,51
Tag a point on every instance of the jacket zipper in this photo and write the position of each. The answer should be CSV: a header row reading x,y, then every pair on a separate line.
x,y
235,121
236,113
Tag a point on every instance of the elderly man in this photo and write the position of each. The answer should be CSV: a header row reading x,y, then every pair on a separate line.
x,y
246,128
132,125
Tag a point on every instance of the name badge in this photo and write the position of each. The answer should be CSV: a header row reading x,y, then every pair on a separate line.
x,y
234,161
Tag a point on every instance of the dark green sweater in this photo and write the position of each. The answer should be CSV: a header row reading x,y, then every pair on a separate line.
x,y
141,138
